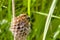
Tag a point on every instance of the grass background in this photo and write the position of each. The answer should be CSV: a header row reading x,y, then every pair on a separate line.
x,y
37,20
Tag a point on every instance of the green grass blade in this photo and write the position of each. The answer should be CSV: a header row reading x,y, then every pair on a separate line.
x,y
56,33
45,14
49,18
29,1
9,9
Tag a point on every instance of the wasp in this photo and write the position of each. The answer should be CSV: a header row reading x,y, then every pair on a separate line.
x,y
21,27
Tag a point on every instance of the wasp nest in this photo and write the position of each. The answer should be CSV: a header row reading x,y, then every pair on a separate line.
x,y
21,27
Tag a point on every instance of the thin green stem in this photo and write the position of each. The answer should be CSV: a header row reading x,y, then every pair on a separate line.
x,y
48,20
29,1
9,9
45,14
43,4
1,4
56,33
37,5
13,14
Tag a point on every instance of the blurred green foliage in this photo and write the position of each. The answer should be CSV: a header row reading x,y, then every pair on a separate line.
x,y
38,21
